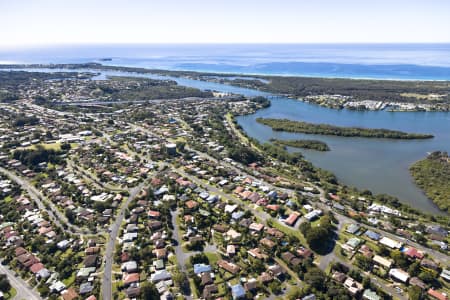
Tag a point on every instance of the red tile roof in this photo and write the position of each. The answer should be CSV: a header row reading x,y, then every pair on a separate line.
x,y
414,253
69,294
437,295
191,204
292,218
154,214
36,268
273,207
130,278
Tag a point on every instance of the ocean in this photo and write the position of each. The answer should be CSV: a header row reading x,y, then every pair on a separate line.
x,y
379,61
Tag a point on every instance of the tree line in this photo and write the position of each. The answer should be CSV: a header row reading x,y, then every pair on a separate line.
x,y
326,129
305,144
432,174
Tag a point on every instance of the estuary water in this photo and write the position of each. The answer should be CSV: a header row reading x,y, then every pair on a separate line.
x,y
380,165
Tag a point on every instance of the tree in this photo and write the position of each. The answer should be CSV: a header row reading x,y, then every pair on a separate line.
x,y
383,251
414,269
70,215
180,146
427,276
366,282
399,258
148,291
315,278
275,287
325,222
363,262
317,238
415,293
65,146
305,227
199,258
180,279
5,286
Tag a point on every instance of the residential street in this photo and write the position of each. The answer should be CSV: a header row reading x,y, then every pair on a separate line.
x,y
24,291
441,257
37,196
110,245
182,256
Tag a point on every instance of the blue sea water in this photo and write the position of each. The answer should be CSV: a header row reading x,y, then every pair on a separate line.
x,y
377,164
382,61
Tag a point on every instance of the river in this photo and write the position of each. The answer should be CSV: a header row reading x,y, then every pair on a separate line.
x,y
380,165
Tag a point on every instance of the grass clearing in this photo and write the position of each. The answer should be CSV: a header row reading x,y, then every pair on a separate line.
x,y
8,199
11,294
212,257
70,280
52,146
290,231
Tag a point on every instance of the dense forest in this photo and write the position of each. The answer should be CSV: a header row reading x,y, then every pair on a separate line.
x,y
305,144
33,157
149,89
326,129
359,89
432,175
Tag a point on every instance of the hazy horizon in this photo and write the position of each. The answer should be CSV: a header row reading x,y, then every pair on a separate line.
x,y
52,22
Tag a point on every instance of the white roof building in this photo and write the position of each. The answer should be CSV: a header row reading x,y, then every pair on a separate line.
x,y
382,261
391,243
399,274
230,208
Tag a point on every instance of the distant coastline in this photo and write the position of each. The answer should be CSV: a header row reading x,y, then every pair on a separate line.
x,y
336,93
383,61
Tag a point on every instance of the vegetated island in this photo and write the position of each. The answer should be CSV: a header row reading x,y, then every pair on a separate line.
x,y
432,175
305,144
326,129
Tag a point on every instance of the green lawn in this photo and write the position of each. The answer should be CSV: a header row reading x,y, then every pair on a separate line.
x,y
66,254
212,257
69,281
173,259
222,289
193,288
290,231
337,251
8,199
52,146
11,294
315,223
115,291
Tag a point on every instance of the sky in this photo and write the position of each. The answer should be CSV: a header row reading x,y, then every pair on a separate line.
x,y
52,22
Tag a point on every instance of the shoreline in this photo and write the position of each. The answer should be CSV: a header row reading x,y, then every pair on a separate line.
x,y
332,101
250,113
402,204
